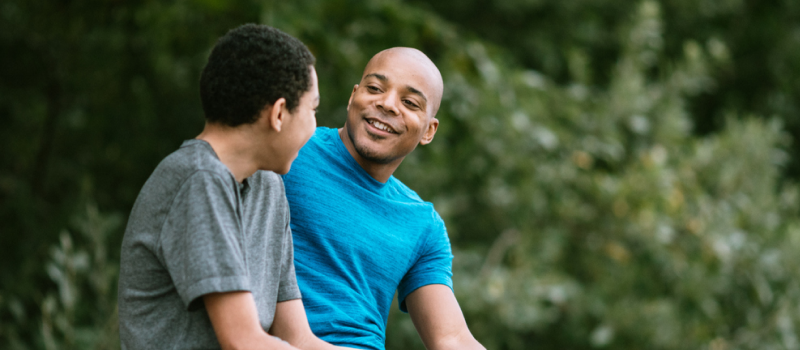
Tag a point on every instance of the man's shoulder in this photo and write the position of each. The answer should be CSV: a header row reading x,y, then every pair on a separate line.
x,y
324,133
321,137
317,154
404,192
321,141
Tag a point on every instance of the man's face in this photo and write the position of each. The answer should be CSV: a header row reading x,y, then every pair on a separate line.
x,y
391,110
300,125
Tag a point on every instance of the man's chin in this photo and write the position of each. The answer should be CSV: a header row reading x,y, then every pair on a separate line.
x,y
373,155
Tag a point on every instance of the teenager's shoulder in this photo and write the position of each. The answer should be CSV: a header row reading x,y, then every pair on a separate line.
x,y
266,177
191,157
194,162
267,183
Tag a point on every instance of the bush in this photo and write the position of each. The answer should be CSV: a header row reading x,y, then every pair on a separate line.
x,y
581,216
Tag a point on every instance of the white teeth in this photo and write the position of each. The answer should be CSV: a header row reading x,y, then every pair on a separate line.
x,y
381,126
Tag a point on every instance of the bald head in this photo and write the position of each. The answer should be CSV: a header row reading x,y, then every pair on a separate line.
x,y
416,63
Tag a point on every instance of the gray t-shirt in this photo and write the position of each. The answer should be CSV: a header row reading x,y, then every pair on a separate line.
x,y
195,230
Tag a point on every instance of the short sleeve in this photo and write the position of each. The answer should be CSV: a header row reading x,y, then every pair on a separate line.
x,y
434,265
288,289
200,239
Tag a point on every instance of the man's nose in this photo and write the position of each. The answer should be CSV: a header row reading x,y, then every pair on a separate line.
x,y
388,102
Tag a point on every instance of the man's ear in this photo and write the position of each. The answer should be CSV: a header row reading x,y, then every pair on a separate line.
x,y
433,125
275,114
352,93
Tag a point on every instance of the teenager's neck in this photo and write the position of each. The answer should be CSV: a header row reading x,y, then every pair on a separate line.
x,y
233,148
378,171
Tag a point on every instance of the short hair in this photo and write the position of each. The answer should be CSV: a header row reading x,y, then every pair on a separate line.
x,y
250,67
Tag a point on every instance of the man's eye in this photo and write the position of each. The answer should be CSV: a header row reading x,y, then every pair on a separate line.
x,y
373,89
411,103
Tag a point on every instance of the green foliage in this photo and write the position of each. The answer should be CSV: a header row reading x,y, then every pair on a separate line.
x,y
614,226
584,210
754,45
80,311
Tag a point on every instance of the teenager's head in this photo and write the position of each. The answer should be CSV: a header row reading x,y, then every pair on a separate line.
x,y
261,82
393,108
251,67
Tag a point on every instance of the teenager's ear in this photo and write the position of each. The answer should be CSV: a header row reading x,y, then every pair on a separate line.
x,y
352,93
433,125
275,114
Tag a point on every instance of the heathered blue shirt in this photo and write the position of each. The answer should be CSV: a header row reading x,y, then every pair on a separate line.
x,y
356,241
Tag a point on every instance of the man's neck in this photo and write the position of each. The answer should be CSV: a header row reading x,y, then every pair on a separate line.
x,y
378,171
233,148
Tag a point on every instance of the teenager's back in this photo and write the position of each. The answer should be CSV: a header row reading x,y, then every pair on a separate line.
x,y
195,230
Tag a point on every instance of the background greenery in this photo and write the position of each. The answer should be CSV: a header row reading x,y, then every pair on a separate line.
x,y
613,174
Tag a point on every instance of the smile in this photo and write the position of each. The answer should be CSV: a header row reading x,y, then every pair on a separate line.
x,y
381,126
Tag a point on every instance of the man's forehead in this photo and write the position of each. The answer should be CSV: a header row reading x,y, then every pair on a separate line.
x,y
410,67
398,70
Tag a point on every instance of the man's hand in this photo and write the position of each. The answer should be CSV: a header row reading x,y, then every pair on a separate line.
x,y
235,320
291,324
438,319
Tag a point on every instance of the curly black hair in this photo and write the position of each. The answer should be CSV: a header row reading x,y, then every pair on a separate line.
x,y
250,67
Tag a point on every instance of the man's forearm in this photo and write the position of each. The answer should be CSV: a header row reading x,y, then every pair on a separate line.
x,y
467,343
438,319
464,341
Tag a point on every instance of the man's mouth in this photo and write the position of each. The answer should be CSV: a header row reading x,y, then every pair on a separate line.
x,y
381,126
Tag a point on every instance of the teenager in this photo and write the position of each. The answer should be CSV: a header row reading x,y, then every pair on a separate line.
x,y
207,254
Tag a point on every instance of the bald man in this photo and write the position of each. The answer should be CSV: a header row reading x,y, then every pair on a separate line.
x,y
359,233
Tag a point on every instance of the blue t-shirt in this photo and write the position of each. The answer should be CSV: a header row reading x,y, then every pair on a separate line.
x,y
356,241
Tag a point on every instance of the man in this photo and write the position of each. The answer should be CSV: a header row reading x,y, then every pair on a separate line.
x,y
207,254
359,233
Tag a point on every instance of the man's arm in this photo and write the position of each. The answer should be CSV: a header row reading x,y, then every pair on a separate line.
x,y
235,320
438,319
291,324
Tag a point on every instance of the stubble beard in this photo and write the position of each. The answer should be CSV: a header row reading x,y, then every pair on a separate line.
x,y
365,152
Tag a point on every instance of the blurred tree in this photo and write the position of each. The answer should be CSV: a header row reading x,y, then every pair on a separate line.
x,y
583,209
618,228
753,46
